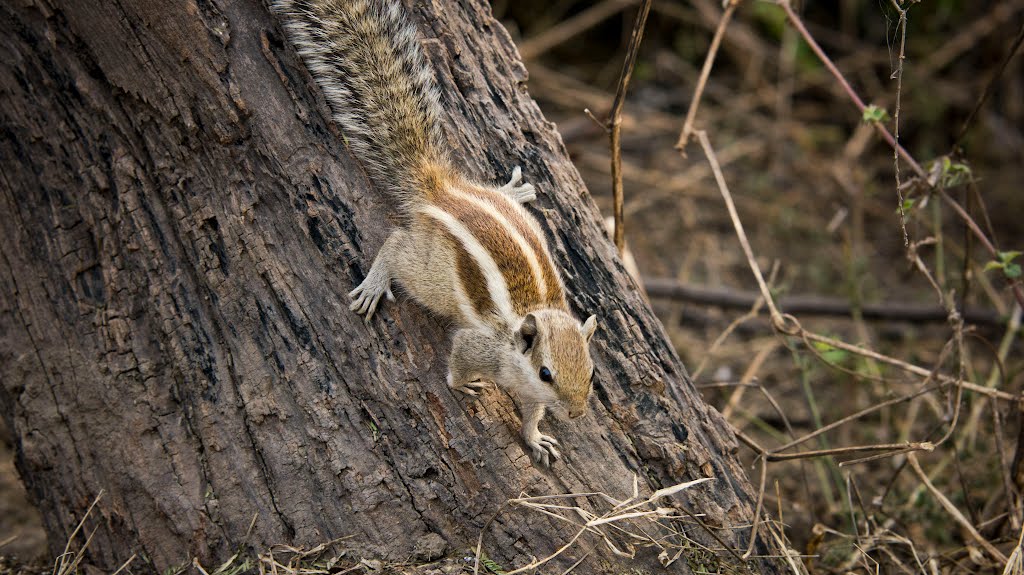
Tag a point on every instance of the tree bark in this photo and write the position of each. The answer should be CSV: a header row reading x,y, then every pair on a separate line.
x,y
181,225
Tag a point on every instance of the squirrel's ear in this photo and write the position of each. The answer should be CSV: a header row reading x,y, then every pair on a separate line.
x,y
527,332
589,327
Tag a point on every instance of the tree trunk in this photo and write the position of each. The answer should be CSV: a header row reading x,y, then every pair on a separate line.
x,y
181,225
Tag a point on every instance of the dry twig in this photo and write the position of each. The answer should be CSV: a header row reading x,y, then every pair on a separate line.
x,y
615,122
530,48
705,73
954,512
621,515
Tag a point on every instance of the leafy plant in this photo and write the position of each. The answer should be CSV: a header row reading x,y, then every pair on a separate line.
x,y
954,173
830,353
492,566
873,113
1005,263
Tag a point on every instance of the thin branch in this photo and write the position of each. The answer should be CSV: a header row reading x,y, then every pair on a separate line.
x,y
902,447
896,119
532,47
908,367
853,417
705,73
1018,292
799,25
954,512
789,325
709,152
758,507
615,122
812,305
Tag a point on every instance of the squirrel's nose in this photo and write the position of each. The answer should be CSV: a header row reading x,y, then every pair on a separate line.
x,y
576,412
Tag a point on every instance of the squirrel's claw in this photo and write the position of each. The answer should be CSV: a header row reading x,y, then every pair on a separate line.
x,y
522,194
365,302
517,176
367,295
468,387
543,448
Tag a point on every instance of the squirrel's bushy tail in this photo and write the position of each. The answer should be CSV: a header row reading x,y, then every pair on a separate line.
x,y
365,56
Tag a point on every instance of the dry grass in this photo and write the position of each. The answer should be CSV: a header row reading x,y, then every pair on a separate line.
x,y
624,526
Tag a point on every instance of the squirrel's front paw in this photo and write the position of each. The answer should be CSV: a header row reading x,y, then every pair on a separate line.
x,y
468,387
367,294
543,448
523,194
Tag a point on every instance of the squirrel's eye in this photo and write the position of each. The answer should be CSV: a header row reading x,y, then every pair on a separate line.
x,y
545,375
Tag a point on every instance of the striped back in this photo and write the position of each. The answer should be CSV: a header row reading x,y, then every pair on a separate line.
x,y
503,261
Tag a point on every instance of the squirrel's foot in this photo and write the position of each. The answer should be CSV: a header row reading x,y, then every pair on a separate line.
x,y
543,448
366,296
468,387
524,193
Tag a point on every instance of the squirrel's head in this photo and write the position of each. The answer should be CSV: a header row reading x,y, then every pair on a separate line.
x,y
557,346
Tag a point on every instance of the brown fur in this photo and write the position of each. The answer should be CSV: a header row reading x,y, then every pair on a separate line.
x,y
514,266
567,344
473,281
555,296
432,180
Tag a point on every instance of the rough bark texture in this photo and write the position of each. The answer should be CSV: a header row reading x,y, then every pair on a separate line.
x,y
181,224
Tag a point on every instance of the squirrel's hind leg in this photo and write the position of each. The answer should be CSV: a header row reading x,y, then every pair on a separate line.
x,y
377,283
524,193
472,365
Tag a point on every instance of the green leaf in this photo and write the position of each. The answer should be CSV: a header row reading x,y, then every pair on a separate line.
x,y
822,347
492,566
830,353
907,204
1007,257
954,173
873,113
836,356
1005,263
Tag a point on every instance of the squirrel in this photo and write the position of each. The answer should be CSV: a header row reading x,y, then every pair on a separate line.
x,y
468,252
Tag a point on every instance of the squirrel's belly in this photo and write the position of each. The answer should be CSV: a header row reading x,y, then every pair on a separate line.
x,y
425,268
